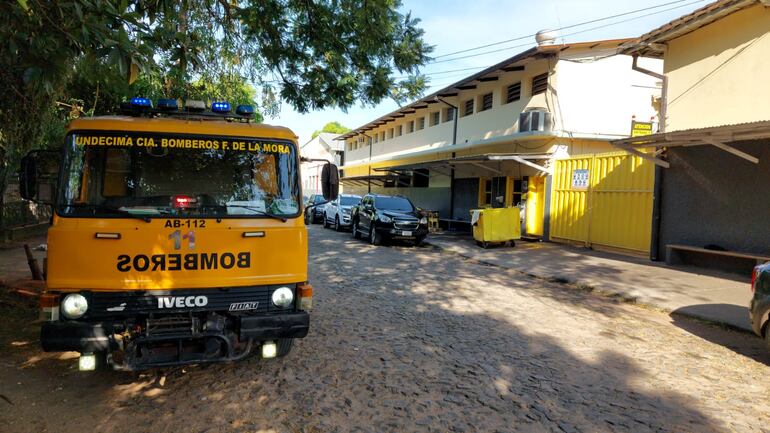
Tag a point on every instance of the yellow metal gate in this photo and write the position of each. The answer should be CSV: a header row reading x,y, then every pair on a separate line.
x,y
603,199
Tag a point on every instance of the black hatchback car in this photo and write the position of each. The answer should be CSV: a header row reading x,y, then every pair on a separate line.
x,y
316,213
760,302
384,217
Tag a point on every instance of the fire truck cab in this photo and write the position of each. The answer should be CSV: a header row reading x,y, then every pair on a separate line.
x,y
177,237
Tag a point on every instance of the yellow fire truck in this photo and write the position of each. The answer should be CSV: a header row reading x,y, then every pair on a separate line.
x,y
177,237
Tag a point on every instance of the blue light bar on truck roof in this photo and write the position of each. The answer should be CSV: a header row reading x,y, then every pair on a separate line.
x,y
220,107
141,102
245,110
168,104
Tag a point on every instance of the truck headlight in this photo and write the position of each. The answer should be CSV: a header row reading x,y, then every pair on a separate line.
x,y
74,306
423,220
283,297
385,218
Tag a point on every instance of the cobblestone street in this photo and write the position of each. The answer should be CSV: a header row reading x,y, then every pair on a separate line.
x,y
414,340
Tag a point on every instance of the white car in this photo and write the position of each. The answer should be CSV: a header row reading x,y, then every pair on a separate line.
x,y
337,212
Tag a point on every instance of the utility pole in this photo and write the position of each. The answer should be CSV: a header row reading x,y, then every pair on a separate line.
x,y
452,171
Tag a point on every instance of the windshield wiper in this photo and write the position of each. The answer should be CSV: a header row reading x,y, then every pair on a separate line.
x,y
251,208
114,210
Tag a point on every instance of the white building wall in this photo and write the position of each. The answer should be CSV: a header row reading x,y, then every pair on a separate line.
x,y
600,97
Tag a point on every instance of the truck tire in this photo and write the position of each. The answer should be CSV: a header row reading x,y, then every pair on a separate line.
x,y
284,346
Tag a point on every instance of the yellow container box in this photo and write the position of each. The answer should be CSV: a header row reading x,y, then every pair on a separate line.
x,y
496,225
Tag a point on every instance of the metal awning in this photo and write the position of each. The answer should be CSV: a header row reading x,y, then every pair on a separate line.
x,y
717,136
369,179
444,166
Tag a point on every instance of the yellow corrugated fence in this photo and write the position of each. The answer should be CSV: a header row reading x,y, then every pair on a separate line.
x,y
603,199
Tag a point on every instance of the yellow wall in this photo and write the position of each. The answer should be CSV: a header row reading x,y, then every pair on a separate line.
x,y
718,74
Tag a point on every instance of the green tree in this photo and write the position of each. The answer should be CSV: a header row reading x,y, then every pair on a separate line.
x,y
311,54
333,128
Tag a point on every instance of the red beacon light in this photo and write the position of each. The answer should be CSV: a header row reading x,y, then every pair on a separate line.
x,y
183,201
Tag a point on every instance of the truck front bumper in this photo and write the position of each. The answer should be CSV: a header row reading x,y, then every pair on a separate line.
x,y
86,337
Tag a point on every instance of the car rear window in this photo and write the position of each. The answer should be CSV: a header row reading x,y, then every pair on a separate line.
x,y
393,203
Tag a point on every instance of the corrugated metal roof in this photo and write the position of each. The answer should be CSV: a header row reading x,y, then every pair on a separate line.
x,y
731,132
540,51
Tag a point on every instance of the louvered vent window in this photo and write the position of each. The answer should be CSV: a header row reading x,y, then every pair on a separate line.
x,y
540,83
513,93
486,102
468,108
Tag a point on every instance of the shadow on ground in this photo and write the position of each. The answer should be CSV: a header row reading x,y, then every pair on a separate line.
x,y
401,339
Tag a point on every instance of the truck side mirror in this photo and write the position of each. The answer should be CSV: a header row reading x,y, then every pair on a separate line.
x,y
28,177
38,172
330,182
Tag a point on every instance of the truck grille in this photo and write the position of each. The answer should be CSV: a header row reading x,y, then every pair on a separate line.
x,y
132,303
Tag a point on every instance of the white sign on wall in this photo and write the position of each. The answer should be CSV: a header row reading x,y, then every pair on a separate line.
x,y
580,179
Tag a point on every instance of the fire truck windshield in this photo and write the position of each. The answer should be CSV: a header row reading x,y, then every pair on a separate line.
x,y
156,175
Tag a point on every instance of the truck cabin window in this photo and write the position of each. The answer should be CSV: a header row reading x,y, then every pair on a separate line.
x,y
189,176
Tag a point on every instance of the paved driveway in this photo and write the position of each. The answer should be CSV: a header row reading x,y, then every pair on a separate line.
x,y
415,340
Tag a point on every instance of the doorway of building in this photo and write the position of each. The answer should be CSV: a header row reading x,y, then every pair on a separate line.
x,y
535,207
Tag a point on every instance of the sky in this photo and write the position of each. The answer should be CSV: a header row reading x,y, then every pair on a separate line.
x,y
454,25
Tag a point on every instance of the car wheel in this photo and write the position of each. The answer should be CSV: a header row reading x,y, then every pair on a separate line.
x,y
284,346
419,240
374,237
337,227
354,229
308,220
326,222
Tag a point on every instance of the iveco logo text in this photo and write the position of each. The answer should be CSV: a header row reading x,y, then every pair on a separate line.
x,y
182,301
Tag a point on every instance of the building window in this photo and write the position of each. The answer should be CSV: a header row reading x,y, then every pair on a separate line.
x,y
486,102
399,130
410,127
434,118
390,133
420,123
382,136
376,136
513,93
468,107
449,114
540,83
487,192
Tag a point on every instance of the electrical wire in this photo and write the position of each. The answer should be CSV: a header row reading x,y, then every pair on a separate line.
x,y
562,28
569,34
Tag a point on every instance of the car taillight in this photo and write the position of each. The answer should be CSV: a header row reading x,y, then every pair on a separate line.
x,y
754,274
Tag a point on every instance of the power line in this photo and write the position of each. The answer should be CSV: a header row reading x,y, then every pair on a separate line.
x,y
561,28
569,34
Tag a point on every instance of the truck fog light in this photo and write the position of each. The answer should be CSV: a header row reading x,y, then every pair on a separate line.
x,y
269,349
74,306
87,362
283,297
